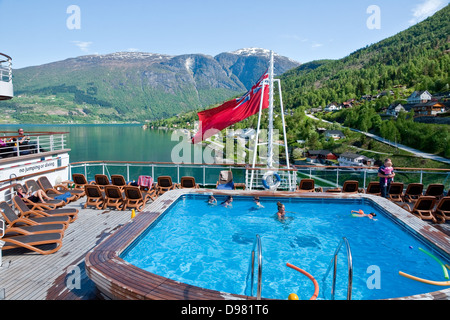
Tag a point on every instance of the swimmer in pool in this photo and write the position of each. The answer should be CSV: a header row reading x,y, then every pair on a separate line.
x,y
228,202
212,200
281,211
256,200
360,214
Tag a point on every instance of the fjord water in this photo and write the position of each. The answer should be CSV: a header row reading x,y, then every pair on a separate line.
x,y
111,142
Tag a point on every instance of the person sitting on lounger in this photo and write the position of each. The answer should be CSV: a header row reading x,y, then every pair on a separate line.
x,y
36,196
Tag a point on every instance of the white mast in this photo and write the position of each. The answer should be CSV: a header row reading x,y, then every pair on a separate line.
x,y
270,138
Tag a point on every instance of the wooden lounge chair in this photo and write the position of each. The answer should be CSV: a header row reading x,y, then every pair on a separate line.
x,y
435,190
135,198
188,183
350,186
413,192
33,185
307,185
164,184
94,196
33,241
395,192
423,208
374,188
102,181
114,197
225,181
80,181
119,180
442,211
20,205
61,189
25,222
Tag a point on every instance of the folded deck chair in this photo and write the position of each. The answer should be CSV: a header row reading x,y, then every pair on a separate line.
x,y
435,190
423,208
94,196
34,186
24,210
61,189
102,181
413,192
442,211
306,185
164,184
374,188
350,186
114,197
119,180
135,198
33,241
395,192
31,220
225,181
188,183
80,181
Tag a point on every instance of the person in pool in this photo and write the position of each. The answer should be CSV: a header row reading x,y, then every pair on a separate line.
x,y
360,214
256,200
228,202
212,200
281,211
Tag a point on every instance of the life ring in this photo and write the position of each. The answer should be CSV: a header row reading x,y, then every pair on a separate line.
x,y
316,285
271,180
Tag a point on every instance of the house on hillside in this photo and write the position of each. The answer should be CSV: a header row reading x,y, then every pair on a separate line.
x,y
348,159
332,107
395,109
320,156
335,134
419,97
431,108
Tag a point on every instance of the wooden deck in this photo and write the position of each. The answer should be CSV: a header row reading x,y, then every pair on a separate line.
x,y
26,275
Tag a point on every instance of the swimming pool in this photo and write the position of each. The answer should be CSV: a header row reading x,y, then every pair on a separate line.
x,y
210,247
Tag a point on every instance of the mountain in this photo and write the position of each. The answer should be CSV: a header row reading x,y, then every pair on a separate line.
x,y
416,59
133,86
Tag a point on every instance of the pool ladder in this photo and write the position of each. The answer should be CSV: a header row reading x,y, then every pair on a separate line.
x,y
257,248
350,269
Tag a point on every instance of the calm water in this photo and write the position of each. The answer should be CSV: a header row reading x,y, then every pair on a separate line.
x,y
111,142
210,247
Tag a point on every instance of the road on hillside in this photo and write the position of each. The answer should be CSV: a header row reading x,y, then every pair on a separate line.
x,y
394,144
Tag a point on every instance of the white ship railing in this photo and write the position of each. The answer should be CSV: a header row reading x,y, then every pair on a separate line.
x,y
37,142
6,85
207,175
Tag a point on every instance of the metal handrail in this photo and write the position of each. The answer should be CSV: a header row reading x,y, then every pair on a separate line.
x,y
350,269
257,245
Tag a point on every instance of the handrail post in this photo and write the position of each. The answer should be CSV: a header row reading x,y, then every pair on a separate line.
x,y
257,244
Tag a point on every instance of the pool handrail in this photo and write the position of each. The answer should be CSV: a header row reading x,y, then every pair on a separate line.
x,y
350,269
257,245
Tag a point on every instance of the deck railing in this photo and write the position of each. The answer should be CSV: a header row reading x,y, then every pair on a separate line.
x,y
36,142
5,68
207,175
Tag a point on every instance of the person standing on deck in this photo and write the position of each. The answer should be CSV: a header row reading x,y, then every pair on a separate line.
x,y
386,176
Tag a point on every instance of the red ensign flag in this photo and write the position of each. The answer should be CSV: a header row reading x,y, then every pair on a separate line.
x,y
214,120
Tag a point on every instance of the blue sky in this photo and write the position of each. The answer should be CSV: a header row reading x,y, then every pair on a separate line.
x,y
35,32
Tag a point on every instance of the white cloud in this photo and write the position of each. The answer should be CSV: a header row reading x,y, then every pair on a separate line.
x,y
425,9
316,45
83,45
132,50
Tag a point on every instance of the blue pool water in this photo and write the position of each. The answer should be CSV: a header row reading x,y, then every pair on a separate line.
x,y
210,247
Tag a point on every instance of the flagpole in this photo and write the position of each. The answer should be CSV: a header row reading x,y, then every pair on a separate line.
x,y
270,138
